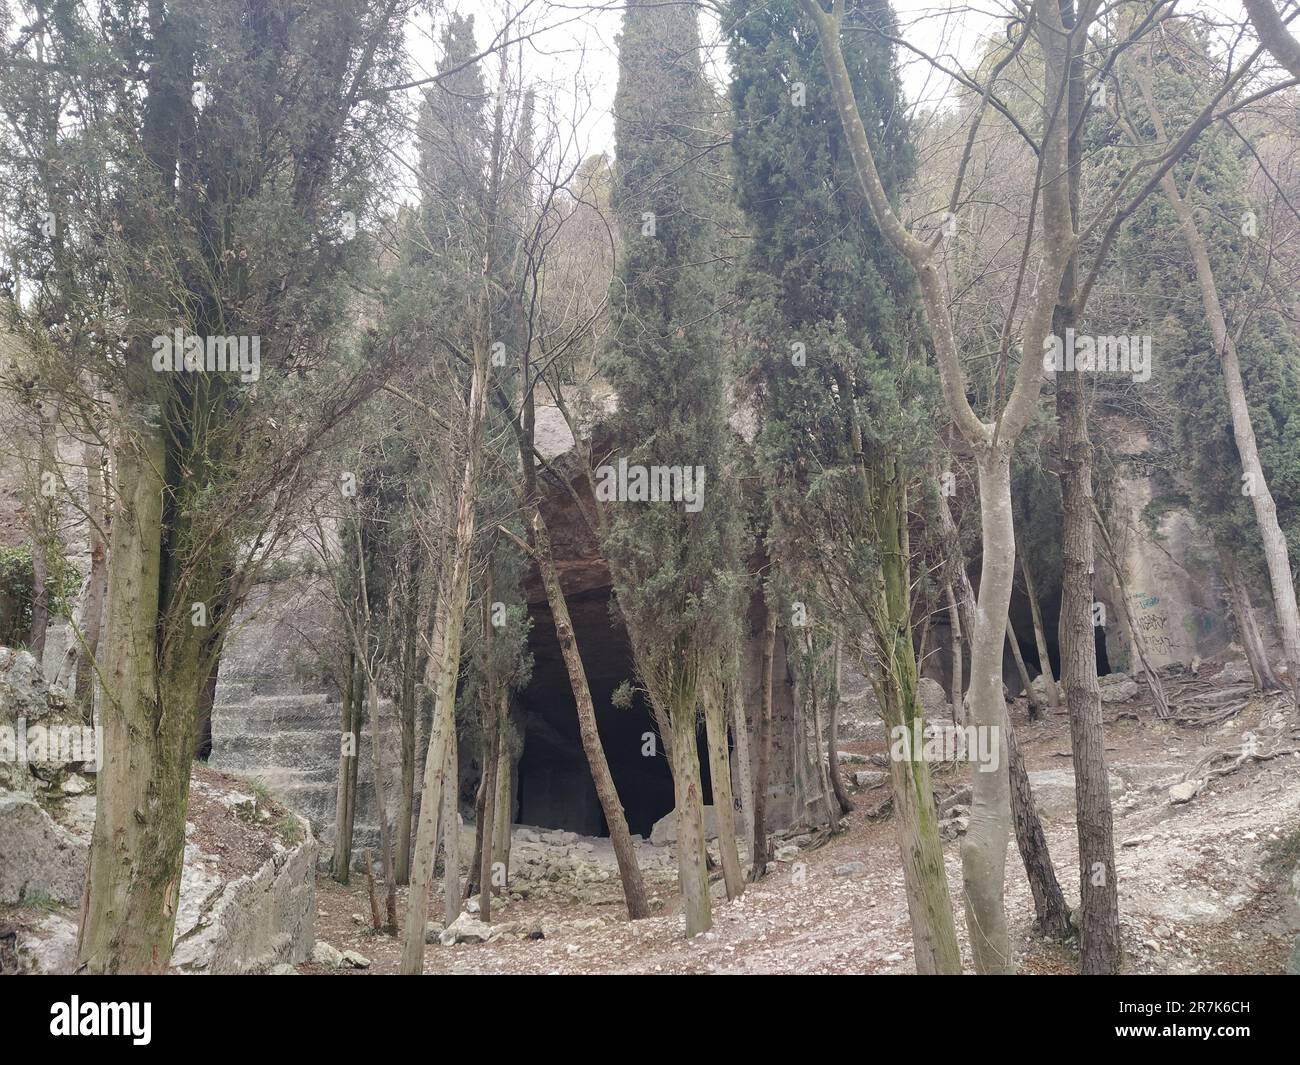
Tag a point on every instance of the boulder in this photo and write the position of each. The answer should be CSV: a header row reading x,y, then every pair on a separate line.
x,y
665,829
1235,672
252,922
951,828
1184,792
324,954
355,961
933,698
49,947
1054,791
465,929
55,738
38,856
1117,688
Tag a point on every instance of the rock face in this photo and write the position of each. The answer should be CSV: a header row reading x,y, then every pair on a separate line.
x,y
275,715
251,924
1173,582
579,868
1117,688
38,856
227,920
665,829
42,737
1054,791
933,698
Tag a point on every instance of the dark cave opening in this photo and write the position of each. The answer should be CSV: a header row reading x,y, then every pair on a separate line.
x,y
555,789
1022,623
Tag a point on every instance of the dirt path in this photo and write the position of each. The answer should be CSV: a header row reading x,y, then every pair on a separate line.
x,y
1200,890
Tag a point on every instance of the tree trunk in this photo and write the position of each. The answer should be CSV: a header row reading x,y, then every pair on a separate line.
x,y
341,866
1251,640
504,814
406,717
692,875
1254,483
1034,710
1098,889
611,805
480,829
1099,938
958,683
740,738
381,801
760,853
134,870
984,847
451,833
929,903
442,671
42,530
1050,909
487,816
92,609
488,710
833,738
715,724
1031,841
830,804
1040,636
1136,637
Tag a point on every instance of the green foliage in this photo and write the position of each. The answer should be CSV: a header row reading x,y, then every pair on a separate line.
x,y
832,329
41,900
17,582
674,569
1194,449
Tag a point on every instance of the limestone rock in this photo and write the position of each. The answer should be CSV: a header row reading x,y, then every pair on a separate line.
x,y
933,698
324,954
74,784
1054,791
55,738
249,923
465,929
47,948
37,855
1184,792
1236,672
354,960
665,829
1117,688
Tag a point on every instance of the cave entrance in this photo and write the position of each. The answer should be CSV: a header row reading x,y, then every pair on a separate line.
x,y
554,784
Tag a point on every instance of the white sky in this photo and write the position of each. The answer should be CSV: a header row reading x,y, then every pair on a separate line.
x,y
576,55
